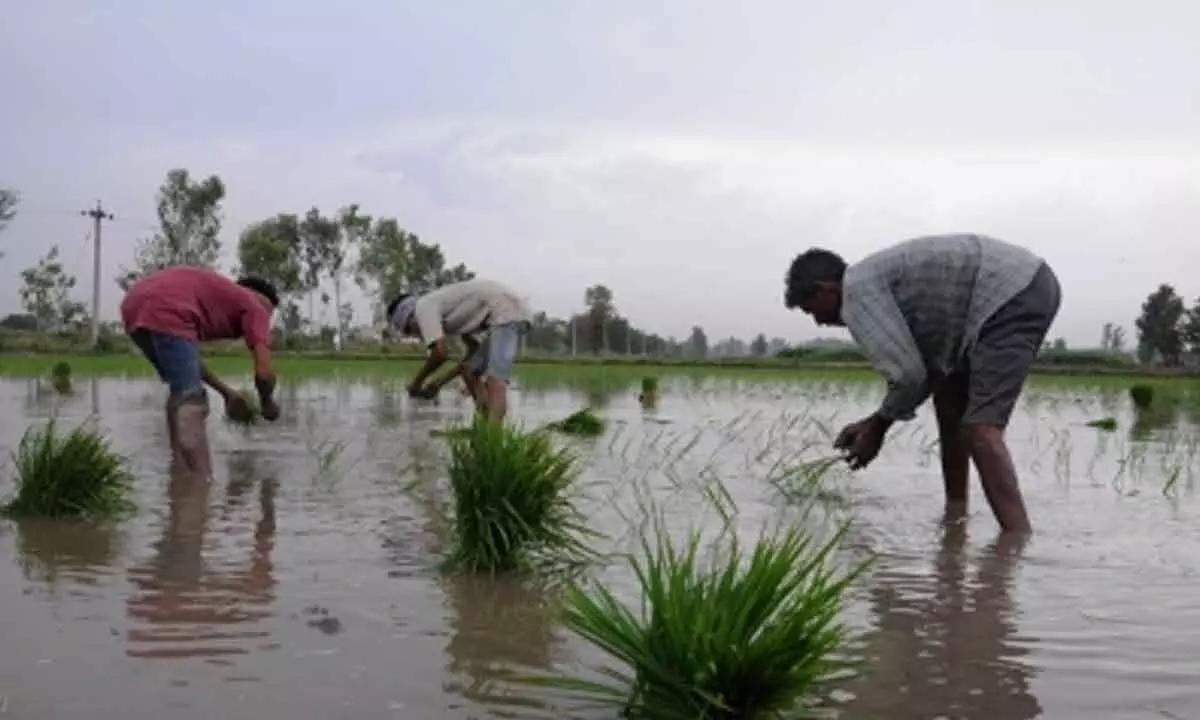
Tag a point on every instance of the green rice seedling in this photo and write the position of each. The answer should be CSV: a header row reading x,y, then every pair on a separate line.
x,y
584,423
251,399
756,634
650,386
513,505
60,376
68,475
1108,423
1142,395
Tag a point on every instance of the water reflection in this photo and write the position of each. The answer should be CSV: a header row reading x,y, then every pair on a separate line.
x,y
498,625
191,598
943,643
51,551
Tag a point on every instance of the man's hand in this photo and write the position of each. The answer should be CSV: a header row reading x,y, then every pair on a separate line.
x,y
861,440
270,409
415,390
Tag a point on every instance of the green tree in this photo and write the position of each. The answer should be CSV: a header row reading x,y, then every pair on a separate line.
x,y
600,312
354,228
1112,338
1190,331
1158,326
8,207
758,346
697,344
270,249
392,260
189,217
319,237
44,291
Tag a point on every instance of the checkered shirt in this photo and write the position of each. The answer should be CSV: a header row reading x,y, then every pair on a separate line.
x,y
918,306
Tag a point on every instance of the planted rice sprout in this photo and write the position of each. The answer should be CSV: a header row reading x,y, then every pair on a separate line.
x,y
582,423
1142,396
514,506
73,474
753,633
60,376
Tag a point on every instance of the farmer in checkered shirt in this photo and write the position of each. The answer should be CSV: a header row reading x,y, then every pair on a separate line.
x,y
959,317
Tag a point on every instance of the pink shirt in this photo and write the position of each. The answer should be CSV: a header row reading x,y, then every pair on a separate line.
x,y
197,304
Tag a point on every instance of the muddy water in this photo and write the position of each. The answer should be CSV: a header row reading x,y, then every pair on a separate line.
x,y
301,583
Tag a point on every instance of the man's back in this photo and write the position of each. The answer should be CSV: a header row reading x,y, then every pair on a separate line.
x,y
195,303
472,306
946,287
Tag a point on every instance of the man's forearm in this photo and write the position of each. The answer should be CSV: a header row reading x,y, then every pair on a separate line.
x,y
213,381
432,363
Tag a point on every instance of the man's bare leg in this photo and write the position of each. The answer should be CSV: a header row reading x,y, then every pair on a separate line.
x,y
497,399
949,403
998,476
191,434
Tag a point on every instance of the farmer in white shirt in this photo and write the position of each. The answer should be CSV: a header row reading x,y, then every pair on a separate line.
x,y
489,317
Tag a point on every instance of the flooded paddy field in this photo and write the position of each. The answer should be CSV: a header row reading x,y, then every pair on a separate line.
x,y
303,582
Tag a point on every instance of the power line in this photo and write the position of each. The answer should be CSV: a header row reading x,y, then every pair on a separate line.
x,y
98,216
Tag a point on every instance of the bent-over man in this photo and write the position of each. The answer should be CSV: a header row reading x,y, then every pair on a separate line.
x,y
168,314
488,316
961,317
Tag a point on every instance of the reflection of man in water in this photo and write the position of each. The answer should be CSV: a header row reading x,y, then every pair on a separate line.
x,y
944,644
961,317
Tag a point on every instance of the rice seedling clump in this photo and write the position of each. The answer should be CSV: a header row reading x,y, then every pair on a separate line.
x,y
513,505
1142,396
584,423
60,376
71,474
751,635
252,407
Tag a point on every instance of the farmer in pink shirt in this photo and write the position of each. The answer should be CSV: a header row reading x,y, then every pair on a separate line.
x,y
168,314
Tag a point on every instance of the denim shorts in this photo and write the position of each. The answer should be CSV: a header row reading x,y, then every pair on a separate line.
x,y
496,354
176,359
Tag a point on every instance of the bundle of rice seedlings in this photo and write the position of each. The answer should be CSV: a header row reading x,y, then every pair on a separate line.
x,y
584,423
251,399
1142,395
754,635
68,475
513,506
60,376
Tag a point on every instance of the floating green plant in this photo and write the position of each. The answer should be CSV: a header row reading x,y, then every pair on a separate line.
x,y
1142,395
513,504
68,475
756,634
584,423
1108,423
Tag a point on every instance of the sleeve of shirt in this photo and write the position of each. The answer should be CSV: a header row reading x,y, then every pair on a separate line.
x,y
428,314
874,319
256,325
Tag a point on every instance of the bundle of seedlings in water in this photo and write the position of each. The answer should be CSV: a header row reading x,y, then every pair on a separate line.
x,y
649,395
752,635
513,501
74,474
584,423
60,377
1142,396
1106,423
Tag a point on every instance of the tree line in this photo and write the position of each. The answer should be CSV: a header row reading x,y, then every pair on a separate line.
x,y
310,256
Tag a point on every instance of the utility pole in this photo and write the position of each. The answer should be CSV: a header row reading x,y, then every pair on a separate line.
x,y
98,216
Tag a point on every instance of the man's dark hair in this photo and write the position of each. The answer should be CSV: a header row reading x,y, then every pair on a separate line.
x,y
260,286
810,267
395,303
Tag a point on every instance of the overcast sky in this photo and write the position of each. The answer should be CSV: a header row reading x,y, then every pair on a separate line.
x,y
681,152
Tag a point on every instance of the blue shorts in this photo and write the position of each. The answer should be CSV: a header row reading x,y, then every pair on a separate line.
x,y
176,359
496,354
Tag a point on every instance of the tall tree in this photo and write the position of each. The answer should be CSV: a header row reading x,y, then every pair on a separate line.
x,y
189,218
392,260
8,206
758,346
354,228
44,292
1159,326
600,312
698,342
1190,330
319,237
269,249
